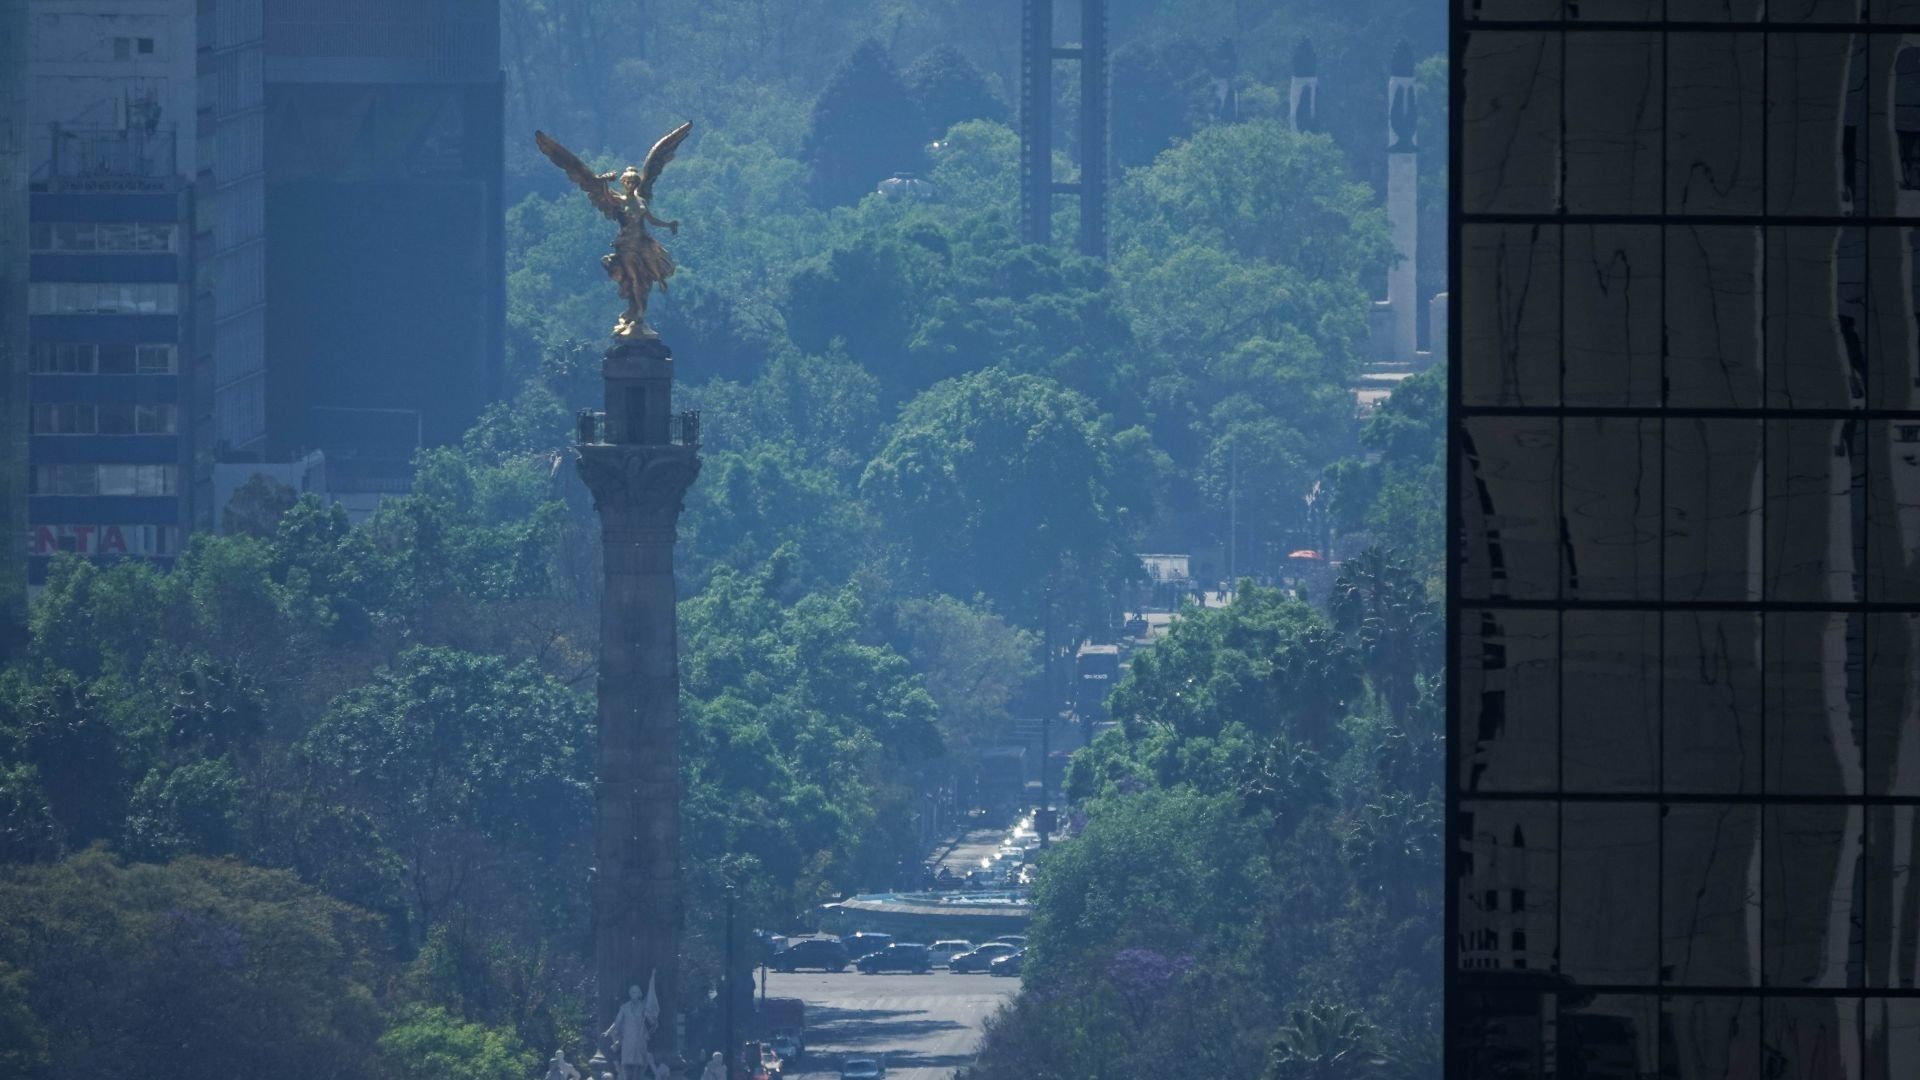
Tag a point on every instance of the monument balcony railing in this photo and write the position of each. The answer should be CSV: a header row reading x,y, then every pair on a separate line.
x,y
683,429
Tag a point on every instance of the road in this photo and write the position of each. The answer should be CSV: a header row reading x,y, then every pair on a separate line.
x,y
977,845
925,1025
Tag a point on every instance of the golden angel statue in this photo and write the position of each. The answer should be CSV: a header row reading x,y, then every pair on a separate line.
x,y
637,262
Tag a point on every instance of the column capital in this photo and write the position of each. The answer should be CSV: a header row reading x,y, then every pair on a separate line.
x,y
637,487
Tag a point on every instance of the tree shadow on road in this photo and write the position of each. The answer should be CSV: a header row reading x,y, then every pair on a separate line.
x,y
861,1027
828,1062
868,1032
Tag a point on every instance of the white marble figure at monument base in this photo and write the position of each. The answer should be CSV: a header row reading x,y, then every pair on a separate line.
x,y
716,1068
632,1028
560,1068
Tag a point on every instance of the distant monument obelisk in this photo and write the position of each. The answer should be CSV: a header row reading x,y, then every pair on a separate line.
x,y
638,459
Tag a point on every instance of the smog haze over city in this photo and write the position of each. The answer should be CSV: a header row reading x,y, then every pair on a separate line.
x,y
891,538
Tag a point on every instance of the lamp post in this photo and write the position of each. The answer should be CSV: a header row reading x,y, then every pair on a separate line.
x,y
726,1026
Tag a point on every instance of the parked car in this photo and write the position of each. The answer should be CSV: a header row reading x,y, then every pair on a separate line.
x,y
862,1068
786,1045
859,945
824,954
943,951
1008,964
1017,940
978,959
899,956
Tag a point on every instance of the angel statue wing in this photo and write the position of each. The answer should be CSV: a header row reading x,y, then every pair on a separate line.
x,y
658,157
594,184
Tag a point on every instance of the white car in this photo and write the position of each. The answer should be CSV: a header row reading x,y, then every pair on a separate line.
x,y
943,951
862,1068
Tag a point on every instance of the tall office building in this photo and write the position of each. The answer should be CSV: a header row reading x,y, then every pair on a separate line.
x,y
1685,539
13,324
110,107
353,227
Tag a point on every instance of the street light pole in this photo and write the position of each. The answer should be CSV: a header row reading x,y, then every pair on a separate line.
x,y
726,1026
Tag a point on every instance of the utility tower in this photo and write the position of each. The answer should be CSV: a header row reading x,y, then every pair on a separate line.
x,y
638,459
1037,185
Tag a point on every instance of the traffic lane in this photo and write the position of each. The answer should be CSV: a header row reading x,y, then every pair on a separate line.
x,y
976,846
925,1026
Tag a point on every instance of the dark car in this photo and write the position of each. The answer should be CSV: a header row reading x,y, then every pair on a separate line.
x,y
823,953
980,958
1008,964
859,945
899,956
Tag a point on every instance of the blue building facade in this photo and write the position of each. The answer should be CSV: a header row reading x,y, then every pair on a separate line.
x,y
109,460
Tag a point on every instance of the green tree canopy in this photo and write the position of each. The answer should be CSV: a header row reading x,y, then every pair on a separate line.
x,y
948,90
194,968
1160,89
474,774
1257,190
866,127
430,1044
1004,483
803,738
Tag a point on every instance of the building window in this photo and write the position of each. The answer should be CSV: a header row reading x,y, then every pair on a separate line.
x,y
90,236
1684,612
64,358
118,359
153,359
106,479
102,298
144,46
106,418
65,419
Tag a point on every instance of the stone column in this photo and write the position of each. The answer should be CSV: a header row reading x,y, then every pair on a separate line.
x,y
1403,210
1303,90
638,476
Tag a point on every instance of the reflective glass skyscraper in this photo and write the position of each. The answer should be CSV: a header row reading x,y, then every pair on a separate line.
x,y
1684,656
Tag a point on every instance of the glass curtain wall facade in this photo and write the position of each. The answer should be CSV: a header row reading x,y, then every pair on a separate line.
x,y
13,324
1684,579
